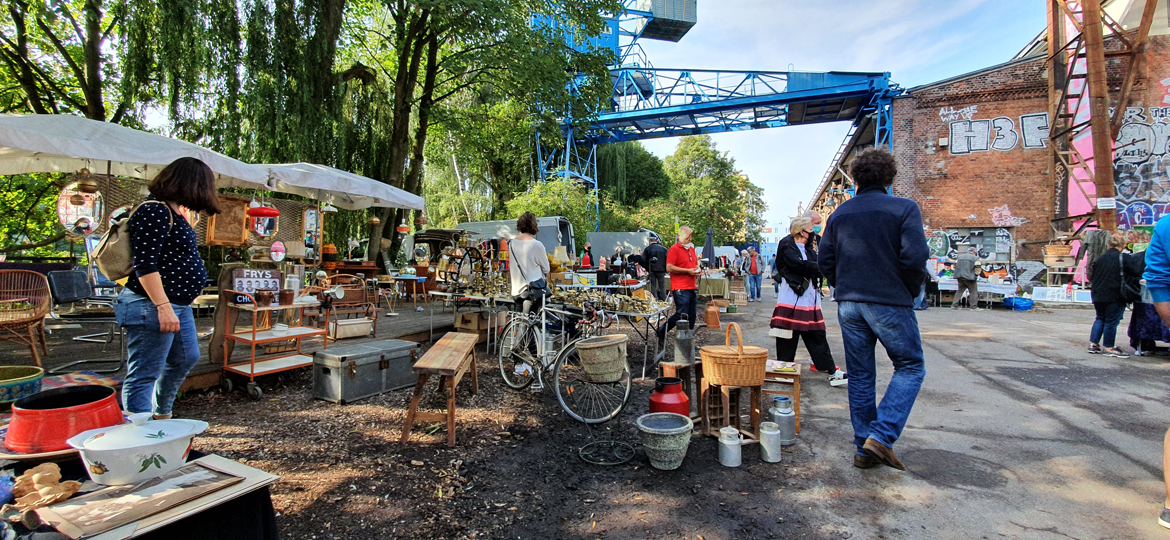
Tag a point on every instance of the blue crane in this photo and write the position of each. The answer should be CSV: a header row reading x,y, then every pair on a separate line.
x,y
649,102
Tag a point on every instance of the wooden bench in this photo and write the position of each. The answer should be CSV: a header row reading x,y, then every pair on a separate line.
x,y
450,358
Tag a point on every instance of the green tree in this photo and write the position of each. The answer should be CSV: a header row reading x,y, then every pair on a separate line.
x,y
556,198
629,173
31,225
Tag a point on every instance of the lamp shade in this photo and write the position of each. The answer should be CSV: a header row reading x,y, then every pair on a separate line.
x,y
403,228
263,211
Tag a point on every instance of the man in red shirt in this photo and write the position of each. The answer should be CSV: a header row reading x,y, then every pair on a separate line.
x,y
682,263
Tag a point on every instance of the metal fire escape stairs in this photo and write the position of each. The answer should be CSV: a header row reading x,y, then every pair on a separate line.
x,y
1072,64
649,102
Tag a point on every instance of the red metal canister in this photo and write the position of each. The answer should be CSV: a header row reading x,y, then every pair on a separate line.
x,y
669,397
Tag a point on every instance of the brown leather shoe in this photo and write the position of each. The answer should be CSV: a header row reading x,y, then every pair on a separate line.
x,y
865,462
883,454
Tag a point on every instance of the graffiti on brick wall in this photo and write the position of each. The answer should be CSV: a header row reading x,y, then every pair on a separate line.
x,y
1141,166
1030,272
968,135
1001,216
951,114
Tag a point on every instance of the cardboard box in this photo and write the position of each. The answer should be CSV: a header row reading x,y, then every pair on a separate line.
x,y
478,320
560,278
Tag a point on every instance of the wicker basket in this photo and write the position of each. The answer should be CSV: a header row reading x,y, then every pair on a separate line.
x,y
725,365
1057,250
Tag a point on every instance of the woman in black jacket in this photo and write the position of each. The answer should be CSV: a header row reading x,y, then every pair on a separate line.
x,y
1108,298
798,305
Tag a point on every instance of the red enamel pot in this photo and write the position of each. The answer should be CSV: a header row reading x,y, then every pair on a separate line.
x,y
43,421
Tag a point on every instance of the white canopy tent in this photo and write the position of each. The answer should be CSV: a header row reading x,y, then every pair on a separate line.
x,y
337,187
33,143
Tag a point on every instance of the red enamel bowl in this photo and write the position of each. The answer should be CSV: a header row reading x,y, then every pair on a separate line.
x,y
43,421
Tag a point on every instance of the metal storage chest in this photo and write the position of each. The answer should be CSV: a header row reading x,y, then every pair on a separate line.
x,y
349,373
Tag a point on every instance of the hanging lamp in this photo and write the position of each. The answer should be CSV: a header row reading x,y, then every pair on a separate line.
x,y
403,228
329,209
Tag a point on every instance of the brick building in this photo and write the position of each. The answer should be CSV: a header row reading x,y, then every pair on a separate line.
x,y
973,152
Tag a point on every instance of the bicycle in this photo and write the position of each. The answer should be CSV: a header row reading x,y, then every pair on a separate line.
x,y
538,343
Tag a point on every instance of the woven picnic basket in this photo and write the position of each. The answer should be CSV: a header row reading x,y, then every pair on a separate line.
x,y
725,365
1058,250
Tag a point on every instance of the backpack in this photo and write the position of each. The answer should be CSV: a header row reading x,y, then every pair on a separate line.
x,y
112,253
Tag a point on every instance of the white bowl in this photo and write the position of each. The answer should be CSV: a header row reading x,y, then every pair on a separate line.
x,y
279,329
141,450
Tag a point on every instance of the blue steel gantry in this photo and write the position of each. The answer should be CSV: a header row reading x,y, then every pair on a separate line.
x,y
649,102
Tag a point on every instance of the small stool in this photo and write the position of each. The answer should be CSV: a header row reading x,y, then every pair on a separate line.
x,y
686,372
773,378
450,358
722,409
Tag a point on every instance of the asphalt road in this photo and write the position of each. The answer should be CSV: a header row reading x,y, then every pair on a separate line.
x,y
1017,433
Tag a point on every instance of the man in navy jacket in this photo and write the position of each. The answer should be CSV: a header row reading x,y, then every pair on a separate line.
x,y
874,253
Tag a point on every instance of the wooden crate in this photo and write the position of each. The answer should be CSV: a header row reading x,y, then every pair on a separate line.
x,y
739,298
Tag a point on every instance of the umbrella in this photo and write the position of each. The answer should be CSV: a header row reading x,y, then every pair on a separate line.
x,y
338,187
709,248
32,143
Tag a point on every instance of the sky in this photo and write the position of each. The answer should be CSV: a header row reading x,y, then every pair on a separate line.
x,y
917,41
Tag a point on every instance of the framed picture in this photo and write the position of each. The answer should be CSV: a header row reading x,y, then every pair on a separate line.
x,y
229,227
114,506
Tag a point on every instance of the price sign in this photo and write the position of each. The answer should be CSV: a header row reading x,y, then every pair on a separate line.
x,y
1107,203
251,280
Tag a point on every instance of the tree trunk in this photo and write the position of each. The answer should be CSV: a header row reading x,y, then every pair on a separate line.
x,y
92,86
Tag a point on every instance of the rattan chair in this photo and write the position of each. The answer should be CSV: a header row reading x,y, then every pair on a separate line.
x,y
24,301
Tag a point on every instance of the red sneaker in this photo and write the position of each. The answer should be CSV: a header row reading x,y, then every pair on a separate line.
x,y
813,368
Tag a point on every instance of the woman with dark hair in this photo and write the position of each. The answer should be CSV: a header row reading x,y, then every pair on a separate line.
x,y
1108,297
155,306
527,258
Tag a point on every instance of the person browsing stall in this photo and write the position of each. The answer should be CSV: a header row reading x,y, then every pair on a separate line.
x,y
798,306
655,255
528,260
155,307
683,265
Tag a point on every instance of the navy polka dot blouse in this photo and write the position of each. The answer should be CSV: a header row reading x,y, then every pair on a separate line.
x,y
173,254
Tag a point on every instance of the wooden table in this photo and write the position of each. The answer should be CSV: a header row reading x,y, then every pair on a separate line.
x,y
450,358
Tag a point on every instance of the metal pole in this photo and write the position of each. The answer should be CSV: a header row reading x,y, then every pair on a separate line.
x,y
1057,79
1099,113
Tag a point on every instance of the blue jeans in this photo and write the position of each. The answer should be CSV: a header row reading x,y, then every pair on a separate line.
x,y
158,362
754,281
921,303
1105,326
686,302
862,325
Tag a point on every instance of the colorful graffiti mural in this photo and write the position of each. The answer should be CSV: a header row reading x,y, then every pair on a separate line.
x,y
1141,167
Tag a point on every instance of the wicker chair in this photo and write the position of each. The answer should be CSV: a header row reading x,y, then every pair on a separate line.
x,y
24,301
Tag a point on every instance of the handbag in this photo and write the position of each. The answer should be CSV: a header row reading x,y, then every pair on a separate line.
x,y
112,253
1129,292
538,288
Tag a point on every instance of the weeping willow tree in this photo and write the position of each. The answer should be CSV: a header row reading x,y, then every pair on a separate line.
x,y
629,173
352,84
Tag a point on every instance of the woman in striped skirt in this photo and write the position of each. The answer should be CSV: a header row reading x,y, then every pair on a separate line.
x,y
798,305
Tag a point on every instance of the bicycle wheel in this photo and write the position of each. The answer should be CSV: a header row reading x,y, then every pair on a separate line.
x,y
583,399
518,355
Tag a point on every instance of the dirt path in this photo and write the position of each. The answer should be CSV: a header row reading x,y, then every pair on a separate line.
x,y
514,473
